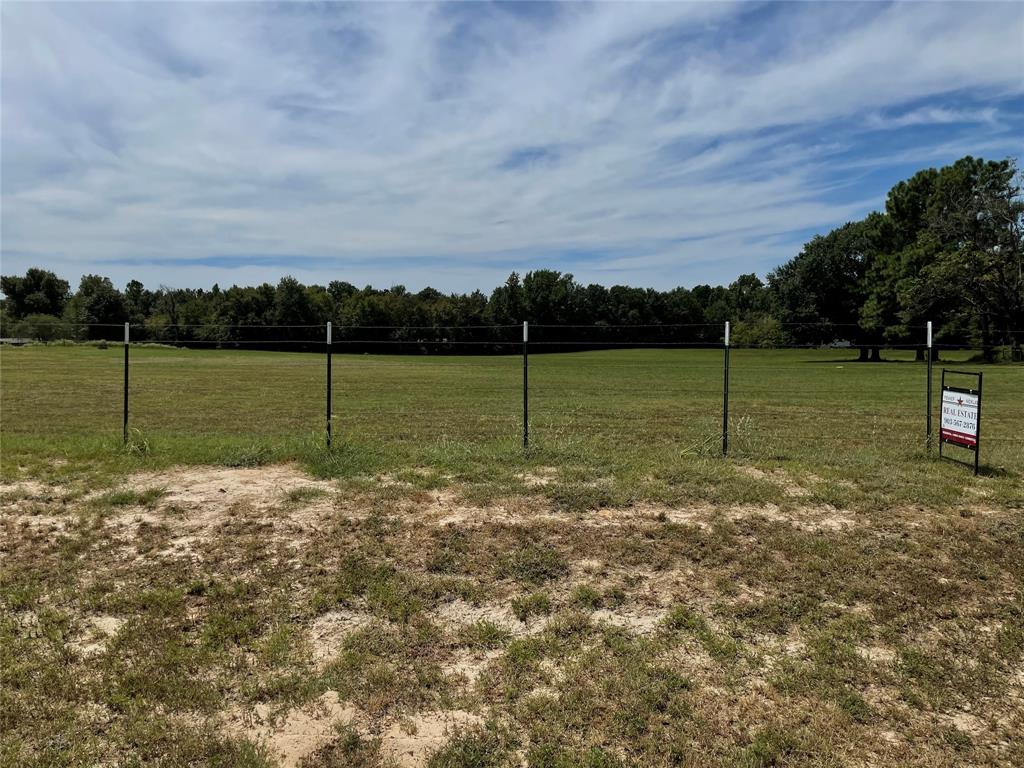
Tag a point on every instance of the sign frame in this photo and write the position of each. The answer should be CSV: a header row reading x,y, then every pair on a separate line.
x,y
974,391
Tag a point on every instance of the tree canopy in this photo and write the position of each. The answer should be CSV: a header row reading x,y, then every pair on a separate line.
x,y
947,248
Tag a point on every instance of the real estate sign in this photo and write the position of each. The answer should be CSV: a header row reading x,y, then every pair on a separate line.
x,y
959,424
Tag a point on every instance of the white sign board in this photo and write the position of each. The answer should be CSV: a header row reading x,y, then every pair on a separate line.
x,y
959,417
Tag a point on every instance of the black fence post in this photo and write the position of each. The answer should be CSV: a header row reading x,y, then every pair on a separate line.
x,y
977,432
928,432
526,386
329,384
725,396
124,423
943,389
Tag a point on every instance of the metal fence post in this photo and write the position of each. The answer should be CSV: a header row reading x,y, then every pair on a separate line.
x,y
526,386
928,439
124,425
977,432
725,396
328,384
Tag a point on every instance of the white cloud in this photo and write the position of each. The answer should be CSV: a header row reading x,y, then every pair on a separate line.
x,y
386,138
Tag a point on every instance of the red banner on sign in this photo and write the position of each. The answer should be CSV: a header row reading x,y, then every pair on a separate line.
x,y
960,438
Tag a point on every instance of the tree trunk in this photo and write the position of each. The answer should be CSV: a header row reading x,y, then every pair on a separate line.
x,y
876,355
935,354
863,355
919,355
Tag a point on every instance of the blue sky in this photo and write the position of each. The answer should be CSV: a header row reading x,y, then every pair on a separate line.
x,y
446,145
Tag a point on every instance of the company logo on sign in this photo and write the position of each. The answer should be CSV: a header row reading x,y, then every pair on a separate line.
x,y
959,418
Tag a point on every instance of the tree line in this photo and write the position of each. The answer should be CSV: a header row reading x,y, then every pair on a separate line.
x,y
947,248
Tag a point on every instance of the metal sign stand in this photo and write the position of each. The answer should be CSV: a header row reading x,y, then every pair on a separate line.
x,y
943,440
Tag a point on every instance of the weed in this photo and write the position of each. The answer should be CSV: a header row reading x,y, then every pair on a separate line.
x,y
485,634
130,498
770,747
478,747
304,494
585,596
533,564
252,455
536,604
348,748
719,646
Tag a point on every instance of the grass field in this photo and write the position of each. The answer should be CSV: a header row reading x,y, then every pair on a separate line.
x,y
625,415
225,591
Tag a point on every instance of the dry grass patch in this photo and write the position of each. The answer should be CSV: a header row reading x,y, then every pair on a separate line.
x,y
277,619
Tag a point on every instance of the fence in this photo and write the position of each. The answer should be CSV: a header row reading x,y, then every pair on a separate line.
x,y
765,397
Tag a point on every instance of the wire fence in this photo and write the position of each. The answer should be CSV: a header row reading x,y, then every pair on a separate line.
x,y
688,388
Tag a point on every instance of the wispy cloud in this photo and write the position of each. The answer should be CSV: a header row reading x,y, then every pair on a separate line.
x,y
934,115
447,144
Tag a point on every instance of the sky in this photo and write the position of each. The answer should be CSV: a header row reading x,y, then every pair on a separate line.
x,y
653,145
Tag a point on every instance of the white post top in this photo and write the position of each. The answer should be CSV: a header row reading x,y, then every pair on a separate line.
x,y
526,331
328,331
126,326
727,333
929,334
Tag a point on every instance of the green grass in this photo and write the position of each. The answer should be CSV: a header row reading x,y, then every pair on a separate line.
x,y
619,425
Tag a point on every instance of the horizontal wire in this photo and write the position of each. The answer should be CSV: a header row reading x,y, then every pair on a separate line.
x,y
450,342
230,342
598,327
665,344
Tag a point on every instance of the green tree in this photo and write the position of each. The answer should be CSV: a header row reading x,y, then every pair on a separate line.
x,y
97,303
39,292
292,307
820,292
138,302
976,212
506,305
550,297
748,297
42,328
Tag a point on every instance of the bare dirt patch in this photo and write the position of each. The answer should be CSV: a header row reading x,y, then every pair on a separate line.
x,y
98,631
411,740
470,665
298,734
446,507
459,614
635,619
195,500
823,517
777,477
540,477
330,630
22,489
877,653
290,737
34,505
212,489
809,518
